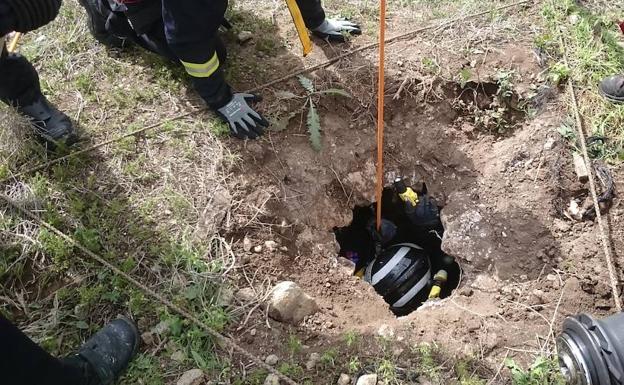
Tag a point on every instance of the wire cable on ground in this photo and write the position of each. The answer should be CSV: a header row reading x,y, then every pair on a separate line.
x,y
151,293
603,227
316,67
381,92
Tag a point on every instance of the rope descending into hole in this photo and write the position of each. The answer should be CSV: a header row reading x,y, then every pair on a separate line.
x,y
380,108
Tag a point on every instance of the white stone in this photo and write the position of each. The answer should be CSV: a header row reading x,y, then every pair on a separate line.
x,y
367,379
244,36
270,245
272,379
288,303
344,379
314,359
191,377
246,294
386,331
247,244
271,359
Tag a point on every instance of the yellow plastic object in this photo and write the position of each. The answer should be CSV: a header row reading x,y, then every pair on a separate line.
x,y
435,292
302,31
439,280
359,273
410,196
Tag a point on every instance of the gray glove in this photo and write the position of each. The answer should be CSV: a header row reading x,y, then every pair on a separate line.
x,y
243,120
335,29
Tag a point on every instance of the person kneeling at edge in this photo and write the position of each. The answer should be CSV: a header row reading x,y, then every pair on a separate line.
x,y
185,31
100,361
19,81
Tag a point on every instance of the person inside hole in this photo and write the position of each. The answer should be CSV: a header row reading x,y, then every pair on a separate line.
x,y
410,227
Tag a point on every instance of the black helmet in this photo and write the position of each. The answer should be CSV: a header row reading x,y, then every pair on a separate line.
x,y
401,274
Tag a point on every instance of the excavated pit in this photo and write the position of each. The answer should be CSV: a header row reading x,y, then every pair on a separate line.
x,y
358,246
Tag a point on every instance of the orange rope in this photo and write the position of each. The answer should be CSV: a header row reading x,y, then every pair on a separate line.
x,y
380,108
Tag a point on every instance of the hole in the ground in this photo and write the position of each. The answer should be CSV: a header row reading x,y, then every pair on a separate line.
x,y
404,262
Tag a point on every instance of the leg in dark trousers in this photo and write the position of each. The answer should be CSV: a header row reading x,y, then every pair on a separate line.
x,y
19,83
312,12
22,362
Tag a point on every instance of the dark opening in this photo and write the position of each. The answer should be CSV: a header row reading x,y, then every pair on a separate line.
x,y
359,244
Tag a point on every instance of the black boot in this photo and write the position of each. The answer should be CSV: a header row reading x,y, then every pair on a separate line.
x,y
103,358
99,15
19,87
612,88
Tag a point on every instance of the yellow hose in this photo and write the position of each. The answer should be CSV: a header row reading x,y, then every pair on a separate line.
x,y
302,31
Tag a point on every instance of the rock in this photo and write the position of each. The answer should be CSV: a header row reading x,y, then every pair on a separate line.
x,y
539,296
288,303
367,379
346,266
178,356
191,377
257,249
214,213
270,245
272,379
549,144
271,359
247,244
244,36
226,296
344,379
246,294
386,331
147,338
161,329
473,324
466,291
314,359
253,332
582,173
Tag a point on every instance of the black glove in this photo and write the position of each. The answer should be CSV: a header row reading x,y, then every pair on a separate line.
x,y
243,120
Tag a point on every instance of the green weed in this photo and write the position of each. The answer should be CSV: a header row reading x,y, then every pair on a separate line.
x,y
543,371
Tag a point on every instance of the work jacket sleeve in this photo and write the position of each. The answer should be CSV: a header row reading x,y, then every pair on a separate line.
x,y
312,12
191,28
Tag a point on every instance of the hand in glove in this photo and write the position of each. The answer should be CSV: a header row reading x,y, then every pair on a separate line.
x,y
243,120
334,29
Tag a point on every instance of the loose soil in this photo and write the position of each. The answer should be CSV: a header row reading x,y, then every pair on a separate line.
x,y
525,265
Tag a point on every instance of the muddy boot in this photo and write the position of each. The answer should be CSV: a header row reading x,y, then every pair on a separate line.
x,y
103,358
19,87
99,14
612,88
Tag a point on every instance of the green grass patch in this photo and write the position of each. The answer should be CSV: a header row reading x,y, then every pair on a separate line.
x,y
594,51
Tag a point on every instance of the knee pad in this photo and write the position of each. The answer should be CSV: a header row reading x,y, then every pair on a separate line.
x,y
32,14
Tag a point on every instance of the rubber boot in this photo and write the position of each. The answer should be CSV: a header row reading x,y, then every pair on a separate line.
x,y
612,88
19,87
99,15
104,357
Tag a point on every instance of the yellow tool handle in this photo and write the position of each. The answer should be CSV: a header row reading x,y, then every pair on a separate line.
x,y
302,31
13,45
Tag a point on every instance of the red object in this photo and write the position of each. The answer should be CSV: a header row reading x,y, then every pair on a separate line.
x,y
622,26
